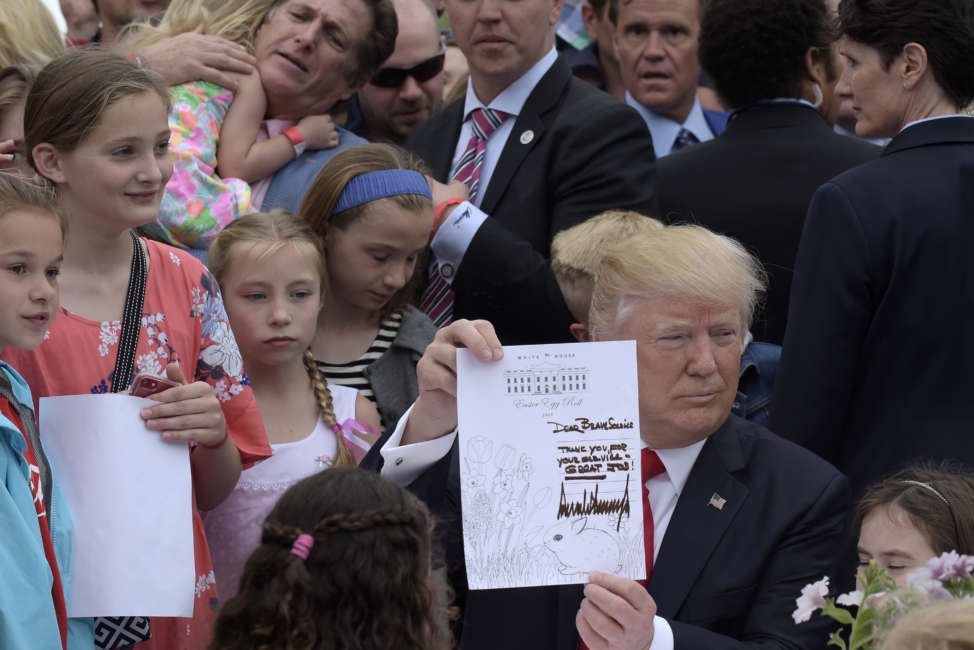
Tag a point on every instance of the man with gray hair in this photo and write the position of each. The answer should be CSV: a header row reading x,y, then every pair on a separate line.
x,y
409,86
738,519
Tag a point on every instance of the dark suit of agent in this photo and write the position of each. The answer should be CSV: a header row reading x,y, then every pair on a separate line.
x,y
573,152
754,182
876,366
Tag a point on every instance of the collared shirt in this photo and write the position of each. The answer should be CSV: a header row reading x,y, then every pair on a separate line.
x,y
664,130
454,236
931,119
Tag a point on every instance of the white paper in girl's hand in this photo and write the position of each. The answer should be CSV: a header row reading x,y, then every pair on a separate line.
x,y
549,464
129,494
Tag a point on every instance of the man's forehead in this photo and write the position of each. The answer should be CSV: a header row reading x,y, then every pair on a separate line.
x,y
661,10
665,312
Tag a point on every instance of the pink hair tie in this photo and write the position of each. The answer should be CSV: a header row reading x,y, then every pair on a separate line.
x,y
302,545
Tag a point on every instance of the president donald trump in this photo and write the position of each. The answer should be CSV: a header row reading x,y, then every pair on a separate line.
x,y
741,519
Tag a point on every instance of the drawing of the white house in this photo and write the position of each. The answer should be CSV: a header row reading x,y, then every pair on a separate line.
x,y
546,379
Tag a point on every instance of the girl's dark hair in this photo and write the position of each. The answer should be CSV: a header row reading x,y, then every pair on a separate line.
x,y
945,28
320,200
939,501
365,584
72,92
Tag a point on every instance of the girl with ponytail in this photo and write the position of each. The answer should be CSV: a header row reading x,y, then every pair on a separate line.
x,y
271,271
344,562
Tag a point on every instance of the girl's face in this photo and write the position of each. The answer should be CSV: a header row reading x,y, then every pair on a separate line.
x,y
30,258
375,256
889,537
273,301
116,176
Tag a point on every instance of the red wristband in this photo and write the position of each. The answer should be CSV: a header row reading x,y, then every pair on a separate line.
x,y
438,214
226,434
297,139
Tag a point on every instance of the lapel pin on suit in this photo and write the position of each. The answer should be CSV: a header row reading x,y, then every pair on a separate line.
x,y
717,501
527,136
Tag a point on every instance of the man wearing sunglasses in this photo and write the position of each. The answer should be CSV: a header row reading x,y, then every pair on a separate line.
x,y
536,151
409,87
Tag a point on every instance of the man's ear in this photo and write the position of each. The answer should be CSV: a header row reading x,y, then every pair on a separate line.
x,y
580,332
913,64
47,160
816,67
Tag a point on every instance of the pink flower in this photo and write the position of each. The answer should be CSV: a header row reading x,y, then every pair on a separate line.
x,y
812,598
925,579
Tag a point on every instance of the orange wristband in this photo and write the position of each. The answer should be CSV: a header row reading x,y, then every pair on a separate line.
x,y
438,214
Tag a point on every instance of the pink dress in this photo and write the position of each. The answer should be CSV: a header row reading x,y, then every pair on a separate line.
x,y
183,321
233,528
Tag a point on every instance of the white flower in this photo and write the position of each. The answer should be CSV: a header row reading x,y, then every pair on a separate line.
x,y
175,260
851,599
224,351
812,598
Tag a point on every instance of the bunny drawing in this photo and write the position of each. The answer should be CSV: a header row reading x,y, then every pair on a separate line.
x,y
582,550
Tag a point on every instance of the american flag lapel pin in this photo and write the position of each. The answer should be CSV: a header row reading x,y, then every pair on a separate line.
x,y
717,501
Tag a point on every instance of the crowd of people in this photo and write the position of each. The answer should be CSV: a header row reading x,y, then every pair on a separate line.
x,y
273,210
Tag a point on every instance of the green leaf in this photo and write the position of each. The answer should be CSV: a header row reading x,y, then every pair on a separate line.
x,y
839,614
836,640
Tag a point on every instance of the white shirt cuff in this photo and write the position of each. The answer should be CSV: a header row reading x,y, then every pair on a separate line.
x,y
453,237
402,464
662,634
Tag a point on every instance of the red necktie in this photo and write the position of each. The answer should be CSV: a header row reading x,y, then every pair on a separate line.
x,y
651,466
437,298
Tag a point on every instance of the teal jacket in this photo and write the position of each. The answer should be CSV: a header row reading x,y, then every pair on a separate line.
x,y
27,618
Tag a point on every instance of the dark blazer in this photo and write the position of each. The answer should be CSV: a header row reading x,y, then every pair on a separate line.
x,y
753,183
876,366
723,578
587,152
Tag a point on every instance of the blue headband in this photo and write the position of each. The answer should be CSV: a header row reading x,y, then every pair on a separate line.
x,y
372,186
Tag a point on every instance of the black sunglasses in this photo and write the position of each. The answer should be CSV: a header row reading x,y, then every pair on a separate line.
x,y
422,71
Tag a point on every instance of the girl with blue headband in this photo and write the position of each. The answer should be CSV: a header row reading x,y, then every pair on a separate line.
x,y
373,209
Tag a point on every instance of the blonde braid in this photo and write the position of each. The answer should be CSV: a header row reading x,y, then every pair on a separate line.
x,y
343,456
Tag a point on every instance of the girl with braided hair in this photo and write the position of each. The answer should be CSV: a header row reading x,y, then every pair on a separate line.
x,y
344,562
271,272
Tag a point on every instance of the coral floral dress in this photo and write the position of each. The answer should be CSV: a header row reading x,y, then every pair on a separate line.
x,y
183,321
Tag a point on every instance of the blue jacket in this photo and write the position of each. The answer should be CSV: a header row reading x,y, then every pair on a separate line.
x,y
759,363
27,618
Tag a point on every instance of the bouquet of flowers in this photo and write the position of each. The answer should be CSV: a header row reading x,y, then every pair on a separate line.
x,y
880,602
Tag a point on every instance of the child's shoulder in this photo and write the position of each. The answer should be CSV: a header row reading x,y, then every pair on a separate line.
x,y
18,385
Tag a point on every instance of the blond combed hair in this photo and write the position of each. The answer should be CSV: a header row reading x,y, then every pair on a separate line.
x,y
266,233
28,34
234,20
946,625
679,261
577,252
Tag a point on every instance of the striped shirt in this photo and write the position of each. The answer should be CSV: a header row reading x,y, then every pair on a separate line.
x,y
352,374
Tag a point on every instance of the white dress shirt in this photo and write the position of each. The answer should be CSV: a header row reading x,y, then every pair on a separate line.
x,y
664,130
403,464
454,236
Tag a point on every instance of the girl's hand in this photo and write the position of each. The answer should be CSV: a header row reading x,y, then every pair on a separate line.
x,y
187,412
319,132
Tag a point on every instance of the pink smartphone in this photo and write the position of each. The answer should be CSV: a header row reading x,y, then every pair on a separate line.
x,y
145,384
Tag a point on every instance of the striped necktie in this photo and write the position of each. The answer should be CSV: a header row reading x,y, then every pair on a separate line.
x,y
684,138
437,298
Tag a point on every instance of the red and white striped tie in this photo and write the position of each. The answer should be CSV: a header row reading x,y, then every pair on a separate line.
x,y
437,298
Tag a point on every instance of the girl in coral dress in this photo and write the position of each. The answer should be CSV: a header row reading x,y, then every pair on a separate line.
x,y
97,129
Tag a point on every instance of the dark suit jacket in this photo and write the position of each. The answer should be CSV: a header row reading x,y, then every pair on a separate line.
x,y
723,578
589,153
876,366
753,183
